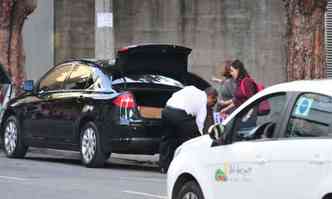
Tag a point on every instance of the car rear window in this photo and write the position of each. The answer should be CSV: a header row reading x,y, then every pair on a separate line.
x,y
311,117
148,79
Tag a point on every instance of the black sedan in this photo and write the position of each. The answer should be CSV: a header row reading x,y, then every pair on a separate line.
x,y
98,107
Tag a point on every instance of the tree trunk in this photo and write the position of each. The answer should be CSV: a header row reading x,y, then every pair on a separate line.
x,y
12,16
305,39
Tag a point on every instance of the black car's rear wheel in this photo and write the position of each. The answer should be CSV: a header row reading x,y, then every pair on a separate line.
x,y
13,139
92,154
190,190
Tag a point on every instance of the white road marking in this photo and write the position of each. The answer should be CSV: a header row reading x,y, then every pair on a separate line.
x,y
142,179
13,178
145,194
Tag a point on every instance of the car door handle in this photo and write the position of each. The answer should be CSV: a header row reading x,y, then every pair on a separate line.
x,y
318,159
318,162
260,160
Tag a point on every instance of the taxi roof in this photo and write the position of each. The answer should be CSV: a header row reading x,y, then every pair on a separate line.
x,y
323,86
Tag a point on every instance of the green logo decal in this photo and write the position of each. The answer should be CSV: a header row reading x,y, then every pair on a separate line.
x,y
220,176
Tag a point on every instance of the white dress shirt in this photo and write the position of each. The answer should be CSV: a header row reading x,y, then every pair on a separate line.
x,y
193,101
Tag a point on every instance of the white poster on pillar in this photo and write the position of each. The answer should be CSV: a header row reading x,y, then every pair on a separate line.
x,y
104,19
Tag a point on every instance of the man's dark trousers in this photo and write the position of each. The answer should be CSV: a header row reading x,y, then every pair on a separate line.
x,y
178,128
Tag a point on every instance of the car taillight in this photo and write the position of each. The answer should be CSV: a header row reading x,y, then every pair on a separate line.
x,y
124,50
125,100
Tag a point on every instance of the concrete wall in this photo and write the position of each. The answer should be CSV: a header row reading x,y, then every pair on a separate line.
x,y
252,31
38,40
74,22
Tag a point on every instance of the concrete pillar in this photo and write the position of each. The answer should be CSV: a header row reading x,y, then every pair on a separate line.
x,y
38,40
104,34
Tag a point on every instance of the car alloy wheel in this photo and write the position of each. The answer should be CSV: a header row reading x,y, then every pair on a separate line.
x,y
10,137
88,144
13,142
92,153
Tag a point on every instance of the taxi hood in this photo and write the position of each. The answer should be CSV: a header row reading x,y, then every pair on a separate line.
x,y
200,141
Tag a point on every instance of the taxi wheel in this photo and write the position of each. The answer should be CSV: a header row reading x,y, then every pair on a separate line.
x,y
190,190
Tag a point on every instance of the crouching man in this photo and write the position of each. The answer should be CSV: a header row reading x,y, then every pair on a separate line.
x,y
183,119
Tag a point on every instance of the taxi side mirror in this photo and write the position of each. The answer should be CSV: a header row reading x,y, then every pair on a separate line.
x,y
216,131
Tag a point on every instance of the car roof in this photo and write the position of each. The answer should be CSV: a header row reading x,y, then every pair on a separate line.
x,y
103,63
323,86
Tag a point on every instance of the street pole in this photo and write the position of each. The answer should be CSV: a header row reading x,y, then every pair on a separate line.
x,y
104,34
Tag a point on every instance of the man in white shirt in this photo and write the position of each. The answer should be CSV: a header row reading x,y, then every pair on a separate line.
x,y
183,119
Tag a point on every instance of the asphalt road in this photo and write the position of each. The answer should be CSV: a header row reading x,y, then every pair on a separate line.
x,y
55,174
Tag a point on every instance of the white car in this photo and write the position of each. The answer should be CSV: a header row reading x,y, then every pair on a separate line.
x,y
282,152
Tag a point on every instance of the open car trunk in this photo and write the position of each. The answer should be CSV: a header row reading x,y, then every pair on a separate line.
x,y
151,97
151,102
153,72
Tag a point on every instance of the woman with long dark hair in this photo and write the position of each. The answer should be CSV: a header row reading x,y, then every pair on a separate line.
x,y
245,87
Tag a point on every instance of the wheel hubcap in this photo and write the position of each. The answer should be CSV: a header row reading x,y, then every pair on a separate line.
x,y
88,144
190,195
10,137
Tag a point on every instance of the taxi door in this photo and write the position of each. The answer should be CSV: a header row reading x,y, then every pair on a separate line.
x,y
238,170
241,166
300,160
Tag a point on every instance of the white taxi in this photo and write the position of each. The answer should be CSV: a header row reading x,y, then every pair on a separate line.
x,y
282,152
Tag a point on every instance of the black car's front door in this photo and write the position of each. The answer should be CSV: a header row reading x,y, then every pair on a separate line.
x,y
60,117
33,116
42,119
66,106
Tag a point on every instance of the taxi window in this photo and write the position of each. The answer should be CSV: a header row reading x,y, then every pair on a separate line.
x,y
250,121
311,116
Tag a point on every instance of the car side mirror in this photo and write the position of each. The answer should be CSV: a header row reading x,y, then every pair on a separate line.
x,y
28,85
216,131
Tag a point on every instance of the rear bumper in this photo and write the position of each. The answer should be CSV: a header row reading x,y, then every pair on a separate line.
x,y
148,146
138,137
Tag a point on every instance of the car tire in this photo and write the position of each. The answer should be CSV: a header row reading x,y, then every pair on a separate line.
x,y
13,143
190,190
92,154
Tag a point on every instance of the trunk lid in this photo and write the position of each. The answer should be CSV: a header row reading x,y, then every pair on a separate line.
x,y
167,60
158,59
